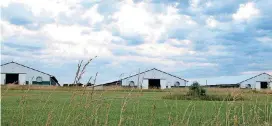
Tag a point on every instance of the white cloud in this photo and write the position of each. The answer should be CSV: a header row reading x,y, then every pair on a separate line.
x,y
9,30
160,50
133,18
77,34
217,50
149,60
194,3
246,12
92,15
51,7
166,30
139,18
74,51
60,32
211,22
159,61
67,42
63,41
265,39
74,41
176,42
198,6
209,4
12,54
257,72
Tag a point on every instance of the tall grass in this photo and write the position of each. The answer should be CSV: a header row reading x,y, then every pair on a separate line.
x,y
81,106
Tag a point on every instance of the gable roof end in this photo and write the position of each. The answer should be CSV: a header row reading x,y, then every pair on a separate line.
x,y
27,67
157,70
254,77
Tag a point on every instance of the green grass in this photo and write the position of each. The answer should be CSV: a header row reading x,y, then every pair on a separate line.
x,y
204,97
78,107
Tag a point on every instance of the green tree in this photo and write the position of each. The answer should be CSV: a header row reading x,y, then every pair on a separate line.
x,y
196,90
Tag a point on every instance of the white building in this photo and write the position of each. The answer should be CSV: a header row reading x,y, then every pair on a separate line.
x,y
261,81
153,78
13,72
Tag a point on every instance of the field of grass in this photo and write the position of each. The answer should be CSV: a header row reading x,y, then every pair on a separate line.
x,y
65,106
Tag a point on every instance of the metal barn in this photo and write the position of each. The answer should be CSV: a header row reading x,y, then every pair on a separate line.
x,y
16,73
261,81
153,78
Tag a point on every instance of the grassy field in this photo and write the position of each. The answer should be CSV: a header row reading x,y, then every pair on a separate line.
x,y
65,106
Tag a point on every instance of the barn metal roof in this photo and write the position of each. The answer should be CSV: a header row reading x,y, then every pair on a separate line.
x,y
254,77
26,67
157,70
225,80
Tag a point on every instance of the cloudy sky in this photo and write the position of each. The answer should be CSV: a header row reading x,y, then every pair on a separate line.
x,y
188,38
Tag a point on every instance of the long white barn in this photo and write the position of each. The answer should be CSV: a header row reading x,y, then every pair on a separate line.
x,y
260,81
13,72
153,78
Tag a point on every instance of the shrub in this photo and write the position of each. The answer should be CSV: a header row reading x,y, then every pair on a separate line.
x,y
79,84
72,85
65,85
196,90
89,84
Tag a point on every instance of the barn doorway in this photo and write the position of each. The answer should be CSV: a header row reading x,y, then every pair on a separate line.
x,y
264,85
154,84
12,78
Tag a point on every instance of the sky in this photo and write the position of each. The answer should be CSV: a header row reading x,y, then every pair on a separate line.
x,y
188,38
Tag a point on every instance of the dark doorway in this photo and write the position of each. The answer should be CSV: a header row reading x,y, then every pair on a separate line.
x,y
154,84
12,78
264,85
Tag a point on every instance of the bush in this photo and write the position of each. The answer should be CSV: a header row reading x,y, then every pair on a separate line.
x,y
65,85
89,84
72,85
196,90
79,84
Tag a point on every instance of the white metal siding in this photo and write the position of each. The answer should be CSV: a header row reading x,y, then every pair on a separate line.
x,y
15,68
22,79
257,85
153,74
255,82
163,84
145,84
3,77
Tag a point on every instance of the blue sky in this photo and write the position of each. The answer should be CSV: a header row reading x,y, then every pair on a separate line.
x,y
189,38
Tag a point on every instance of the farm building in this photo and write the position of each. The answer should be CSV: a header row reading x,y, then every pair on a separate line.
x,y
13,72
152,78
260,81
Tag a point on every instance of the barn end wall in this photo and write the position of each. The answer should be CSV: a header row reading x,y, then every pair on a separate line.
x,y
254,81
3,77
166,80
29,77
